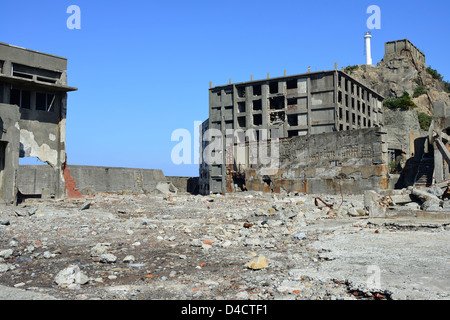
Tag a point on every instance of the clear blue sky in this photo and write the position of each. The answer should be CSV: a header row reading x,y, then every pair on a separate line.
x,y
143,67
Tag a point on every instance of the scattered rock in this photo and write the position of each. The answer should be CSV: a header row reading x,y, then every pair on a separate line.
x,y
300,236
85,205
99,249
107,258
431,205
71,275
5,267
257,263
5,254
129,259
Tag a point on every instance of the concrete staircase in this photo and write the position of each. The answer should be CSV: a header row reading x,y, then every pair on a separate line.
x,y
424,176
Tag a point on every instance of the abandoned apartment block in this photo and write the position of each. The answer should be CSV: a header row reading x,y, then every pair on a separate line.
x,y
33,104
328,103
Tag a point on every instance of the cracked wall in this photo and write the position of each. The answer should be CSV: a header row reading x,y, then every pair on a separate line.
x,y
35,85
350,161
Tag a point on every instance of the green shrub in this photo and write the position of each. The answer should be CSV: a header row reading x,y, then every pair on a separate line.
x,y
404,102
446,86
392,166
434,74
350,69
418,91
424,120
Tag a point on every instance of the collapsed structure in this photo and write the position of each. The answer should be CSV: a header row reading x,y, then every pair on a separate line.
x,y
33,107
317,132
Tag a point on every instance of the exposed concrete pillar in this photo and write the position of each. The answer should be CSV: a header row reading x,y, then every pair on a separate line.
x,y
438,165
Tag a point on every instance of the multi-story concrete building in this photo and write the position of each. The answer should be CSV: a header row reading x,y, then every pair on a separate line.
x,y
282,107
33,104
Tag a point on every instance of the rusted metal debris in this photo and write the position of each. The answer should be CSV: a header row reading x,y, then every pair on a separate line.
x,y
326,204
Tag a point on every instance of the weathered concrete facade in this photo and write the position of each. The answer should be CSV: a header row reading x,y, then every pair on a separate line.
x,y
347,161
402,47
203,179
279,108
33,105
89,180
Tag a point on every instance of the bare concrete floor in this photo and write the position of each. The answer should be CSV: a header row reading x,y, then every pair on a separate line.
x,y
196,247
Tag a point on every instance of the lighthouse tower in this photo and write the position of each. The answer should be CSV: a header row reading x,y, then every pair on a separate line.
x,y
367,37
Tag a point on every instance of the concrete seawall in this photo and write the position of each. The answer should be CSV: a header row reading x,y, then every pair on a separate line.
x,y
36,179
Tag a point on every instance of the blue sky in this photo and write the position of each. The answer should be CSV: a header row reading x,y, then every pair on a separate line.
x,y
143,67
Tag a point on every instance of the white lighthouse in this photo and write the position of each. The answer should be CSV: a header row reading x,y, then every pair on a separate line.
x,y
367,37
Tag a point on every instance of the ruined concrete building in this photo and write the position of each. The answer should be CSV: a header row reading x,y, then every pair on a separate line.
x,y
321,109
329,129
33,104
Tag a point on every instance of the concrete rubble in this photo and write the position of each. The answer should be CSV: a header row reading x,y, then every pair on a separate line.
x,y
241,246
412,201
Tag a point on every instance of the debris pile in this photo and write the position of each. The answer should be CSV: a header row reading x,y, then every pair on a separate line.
x,y
248,245
386,203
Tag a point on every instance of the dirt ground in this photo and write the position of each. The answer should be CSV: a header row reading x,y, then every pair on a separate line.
x,y
192,247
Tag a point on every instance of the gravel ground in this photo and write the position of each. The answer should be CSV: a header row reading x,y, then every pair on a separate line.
x,y
186,247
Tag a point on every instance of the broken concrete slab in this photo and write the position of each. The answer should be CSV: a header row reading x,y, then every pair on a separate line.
x,y
166,188
423,195
372,202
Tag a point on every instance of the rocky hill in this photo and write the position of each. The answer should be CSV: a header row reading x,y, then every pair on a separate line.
x,y
403,70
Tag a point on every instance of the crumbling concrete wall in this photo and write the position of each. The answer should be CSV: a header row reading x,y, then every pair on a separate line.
x,y
92,179
406,142
9,158
185,184
113,179
347,161
36,84
36,179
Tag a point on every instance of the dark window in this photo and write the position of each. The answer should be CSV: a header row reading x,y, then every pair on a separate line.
x,y
14,97
26,99
277,103
257,90
293,120
291,84
241,92
292,133
257,105
41,101
241,122
45,102
273,87
292,102
241,106
20,98
257,119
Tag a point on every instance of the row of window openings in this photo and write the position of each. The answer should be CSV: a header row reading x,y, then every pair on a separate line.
x,y
22,98
274,104
360,92
360,107
273,88
292,119
365,122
